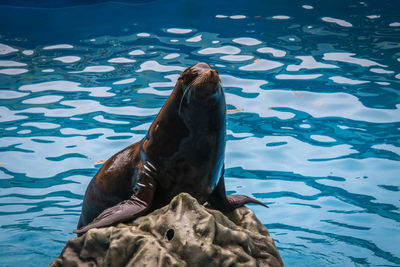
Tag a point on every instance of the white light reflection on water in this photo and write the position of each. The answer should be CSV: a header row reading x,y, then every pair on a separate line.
x,y
143,34
155,66
171,56
68,59
262,65
6,49
307,7
220,50
42,125
121,60
9,94
28,52
11,63
179,31
60,46
236,58
47,70
318,105
297,76
344,80
283,17
246,41
194,39
237,17
337,21
273,51
125,81
136,52
308,62
95,69
13,71
348,58
46,99
67,86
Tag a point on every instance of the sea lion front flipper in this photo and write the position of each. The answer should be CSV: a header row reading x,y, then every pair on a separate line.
x,y
218,198
138,204
123,211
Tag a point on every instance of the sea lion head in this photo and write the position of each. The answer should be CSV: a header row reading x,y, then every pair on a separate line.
x,y
201,84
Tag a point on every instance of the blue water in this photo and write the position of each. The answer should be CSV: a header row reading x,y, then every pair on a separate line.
x,y
313,94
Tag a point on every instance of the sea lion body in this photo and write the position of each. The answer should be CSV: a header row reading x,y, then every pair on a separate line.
x,y
183,151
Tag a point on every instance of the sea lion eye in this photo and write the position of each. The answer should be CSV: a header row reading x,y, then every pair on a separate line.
x,y
188,78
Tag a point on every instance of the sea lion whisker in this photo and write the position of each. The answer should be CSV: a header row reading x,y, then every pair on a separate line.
x,y
147,168
151,165
183,97
147,174
201,79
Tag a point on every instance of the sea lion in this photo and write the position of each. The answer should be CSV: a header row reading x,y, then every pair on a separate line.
x,y
183,151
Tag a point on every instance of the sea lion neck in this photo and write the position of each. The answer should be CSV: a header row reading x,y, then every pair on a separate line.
x,y
167,130
195,110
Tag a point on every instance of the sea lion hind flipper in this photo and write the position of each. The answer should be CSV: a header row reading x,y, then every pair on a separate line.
x,y
237,201
123,211
219,200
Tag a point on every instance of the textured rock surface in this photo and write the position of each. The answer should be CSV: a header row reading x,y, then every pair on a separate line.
x,y
183,233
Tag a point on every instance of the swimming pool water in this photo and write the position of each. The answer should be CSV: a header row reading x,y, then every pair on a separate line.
x,y
313,94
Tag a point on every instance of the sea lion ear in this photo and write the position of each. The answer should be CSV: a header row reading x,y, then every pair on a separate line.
x,y
179,83
181,78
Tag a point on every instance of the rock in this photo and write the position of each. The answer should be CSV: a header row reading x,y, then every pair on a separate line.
x,y
183,233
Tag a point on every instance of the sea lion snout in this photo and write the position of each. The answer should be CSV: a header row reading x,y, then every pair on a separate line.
x,y
202,81
207,85
194,72
201,66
